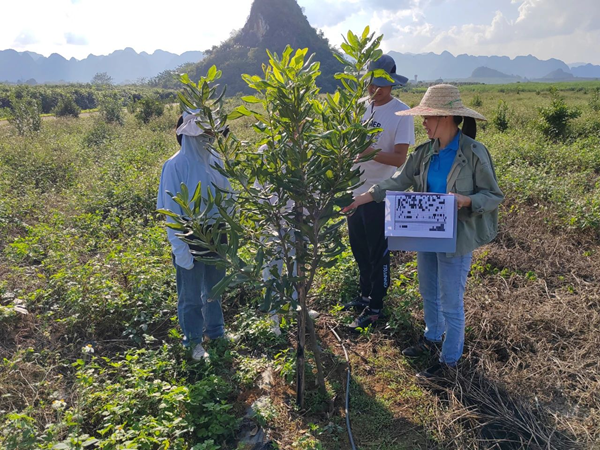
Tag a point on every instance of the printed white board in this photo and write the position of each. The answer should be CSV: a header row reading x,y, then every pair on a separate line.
x,y
428,219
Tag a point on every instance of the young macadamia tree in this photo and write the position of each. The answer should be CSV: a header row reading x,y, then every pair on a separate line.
x,y
285,211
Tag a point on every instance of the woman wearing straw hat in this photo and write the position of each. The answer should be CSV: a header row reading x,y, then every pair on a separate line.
x,y
452,161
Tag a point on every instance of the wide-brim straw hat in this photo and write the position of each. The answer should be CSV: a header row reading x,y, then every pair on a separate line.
x,y
441,100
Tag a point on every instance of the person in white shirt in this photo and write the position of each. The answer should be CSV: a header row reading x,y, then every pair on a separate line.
x,y
366,225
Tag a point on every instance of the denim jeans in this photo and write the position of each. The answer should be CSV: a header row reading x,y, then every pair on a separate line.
x,y
442,282
198,314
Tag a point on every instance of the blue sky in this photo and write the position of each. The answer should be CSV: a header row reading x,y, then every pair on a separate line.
x,y
567,30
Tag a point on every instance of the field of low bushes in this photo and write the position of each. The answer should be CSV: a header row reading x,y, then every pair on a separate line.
x,y
89,341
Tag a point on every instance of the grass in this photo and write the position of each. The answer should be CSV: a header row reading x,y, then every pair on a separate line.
x,y
84,264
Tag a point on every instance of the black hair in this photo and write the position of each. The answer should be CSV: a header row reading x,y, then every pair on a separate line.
x,y
179,123
469,126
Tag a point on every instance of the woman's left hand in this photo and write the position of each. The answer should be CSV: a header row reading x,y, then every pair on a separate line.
x,y
367,197
462,201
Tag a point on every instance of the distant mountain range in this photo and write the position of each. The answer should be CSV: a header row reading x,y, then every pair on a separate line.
x,y
430,66
124,66
127,66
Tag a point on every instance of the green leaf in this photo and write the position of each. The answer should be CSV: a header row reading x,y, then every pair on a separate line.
x,y
278,75
347,49
380,73
197,197
221,286
166,212
339,76
185,79
185,193
176,226
212,72
243,111
365,33
340,59
352,39
251,99
235,115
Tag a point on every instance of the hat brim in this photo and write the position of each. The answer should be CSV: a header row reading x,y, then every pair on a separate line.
x,y
399,80
426,111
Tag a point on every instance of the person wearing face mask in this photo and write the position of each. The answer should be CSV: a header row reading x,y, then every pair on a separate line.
x,y
366,226
452,161
194,163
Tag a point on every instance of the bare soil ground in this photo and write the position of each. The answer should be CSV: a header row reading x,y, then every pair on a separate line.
x,y
530,377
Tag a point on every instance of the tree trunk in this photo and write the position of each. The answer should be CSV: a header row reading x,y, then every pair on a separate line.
x,y
301,289
301,349
317,353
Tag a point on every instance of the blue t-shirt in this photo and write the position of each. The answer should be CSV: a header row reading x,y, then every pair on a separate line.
x,y
440,166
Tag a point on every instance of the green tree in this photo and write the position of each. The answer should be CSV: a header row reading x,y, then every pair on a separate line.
x,y
25,115
67,107
102,79
147,108
286,211
476,101
554,119
111,108
500,116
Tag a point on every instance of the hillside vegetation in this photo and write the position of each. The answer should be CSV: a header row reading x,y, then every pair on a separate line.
x,y
85,96
272,24
89,342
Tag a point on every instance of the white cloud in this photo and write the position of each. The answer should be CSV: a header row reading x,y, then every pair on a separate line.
x,y
26,37
544,28
74,39
329,13
64,26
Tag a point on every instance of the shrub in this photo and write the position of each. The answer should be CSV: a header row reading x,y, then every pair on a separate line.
x,y
84,98
102,79
594,101
476,101
147,108
111,108
500,117
134,401
554,119
208,409
25,115
40,167
98,135
19,432
67,107
131,104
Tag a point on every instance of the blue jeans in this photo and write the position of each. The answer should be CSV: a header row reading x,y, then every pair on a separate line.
x,y
198,314
442,282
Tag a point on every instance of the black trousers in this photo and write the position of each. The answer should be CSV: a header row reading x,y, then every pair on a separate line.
x,y
370,249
